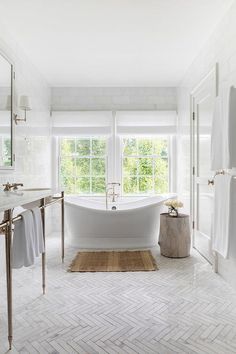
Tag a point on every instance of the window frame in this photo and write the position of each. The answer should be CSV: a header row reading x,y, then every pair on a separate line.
x,y
116,175
169,139
90,157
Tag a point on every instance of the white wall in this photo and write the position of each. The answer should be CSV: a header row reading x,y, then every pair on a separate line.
x,y
114,98
221,48
32,140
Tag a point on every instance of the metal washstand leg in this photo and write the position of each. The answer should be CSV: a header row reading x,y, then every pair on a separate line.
x,y
8,241
44,253
62,227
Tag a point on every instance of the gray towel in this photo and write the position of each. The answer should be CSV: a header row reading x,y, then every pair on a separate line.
x,y
23,241
38,240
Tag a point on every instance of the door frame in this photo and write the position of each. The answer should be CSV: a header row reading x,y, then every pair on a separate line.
x,y
214,72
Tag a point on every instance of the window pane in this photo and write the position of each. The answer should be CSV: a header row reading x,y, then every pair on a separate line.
x,y
98,167
160,147
145,184
130,166
83,147
67,166
145,147
98,185
161,185
130,146
68,183
79,171
99,147
82,166
145,173
161,175
7,152
67,146
130,185
145,166
82,185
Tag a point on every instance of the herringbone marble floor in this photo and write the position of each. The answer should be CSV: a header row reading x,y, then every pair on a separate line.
x,y
182,308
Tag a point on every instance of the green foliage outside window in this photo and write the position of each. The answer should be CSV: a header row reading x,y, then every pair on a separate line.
x,y
145,165
83,165
6,151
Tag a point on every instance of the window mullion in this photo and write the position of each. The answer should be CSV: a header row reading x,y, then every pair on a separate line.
x,y
153,175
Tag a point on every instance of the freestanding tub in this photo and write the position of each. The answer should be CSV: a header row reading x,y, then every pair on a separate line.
x,y
135,223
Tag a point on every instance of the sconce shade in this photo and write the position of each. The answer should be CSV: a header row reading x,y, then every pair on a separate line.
x,y
24,103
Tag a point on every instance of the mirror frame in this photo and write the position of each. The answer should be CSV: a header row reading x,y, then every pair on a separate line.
x,y
12,167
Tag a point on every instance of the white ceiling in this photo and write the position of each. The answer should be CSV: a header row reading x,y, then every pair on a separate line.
x,y
112,42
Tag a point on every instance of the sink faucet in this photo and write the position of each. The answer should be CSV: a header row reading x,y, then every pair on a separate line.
x,y
16,185
111,187
13,186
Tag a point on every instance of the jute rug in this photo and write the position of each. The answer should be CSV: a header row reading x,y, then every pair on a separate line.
x,y
112,261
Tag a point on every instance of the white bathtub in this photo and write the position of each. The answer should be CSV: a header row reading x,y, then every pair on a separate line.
x,y
135,223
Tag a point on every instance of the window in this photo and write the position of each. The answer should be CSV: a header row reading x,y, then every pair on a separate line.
x,y
145,165
5,151
83,165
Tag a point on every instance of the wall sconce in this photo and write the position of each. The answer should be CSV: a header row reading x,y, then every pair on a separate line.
x,y
25,105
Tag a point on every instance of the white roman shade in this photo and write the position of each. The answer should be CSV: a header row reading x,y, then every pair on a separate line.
x,y
81,123
146,122
101,122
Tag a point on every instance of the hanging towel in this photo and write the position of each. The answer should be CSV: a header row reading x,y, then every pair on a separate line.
x,y
223,213
231,128
38,240
18,210
23,241
232,221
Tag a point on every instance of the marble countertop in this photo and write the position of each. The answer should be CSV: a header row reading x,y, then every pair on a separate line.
x,y
12,199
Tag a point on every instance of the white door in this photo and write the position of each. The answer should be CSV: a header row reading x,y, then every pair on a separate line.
x,y
202,193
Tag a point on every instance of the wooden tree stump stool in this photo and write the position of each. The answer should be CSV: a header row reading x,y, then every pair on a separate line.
x,y
174,239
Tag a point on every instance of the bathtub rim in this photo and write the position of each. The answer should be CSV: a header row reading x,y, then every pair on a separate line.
x,y
151,204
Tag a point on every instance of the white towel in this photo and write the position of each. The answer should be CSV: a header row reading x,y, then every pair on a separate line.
x,y
232,221
23,244
223,214
231,128
38,241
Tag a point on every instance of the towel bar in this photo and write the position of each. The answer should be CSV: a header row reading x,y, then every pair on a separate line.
x,y
220,172
18,217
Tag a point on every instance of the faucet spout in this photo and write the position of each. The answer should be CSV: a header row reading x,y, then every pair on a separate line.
x,y
111,187
16,185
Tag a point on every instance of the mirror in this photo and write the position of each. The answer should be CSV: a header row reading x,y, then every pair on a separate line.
x,y
6,113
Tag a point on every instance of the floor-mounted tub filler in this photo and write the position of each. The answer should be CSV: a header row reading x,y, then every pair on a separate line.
x,y
130,224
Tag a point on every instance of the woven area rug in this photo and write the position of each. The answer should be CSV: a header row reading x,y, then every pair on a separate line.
x,y
112,261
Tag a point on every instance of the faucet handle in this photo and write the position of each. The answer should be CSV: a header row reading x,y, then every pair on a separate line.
x,y
7,187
